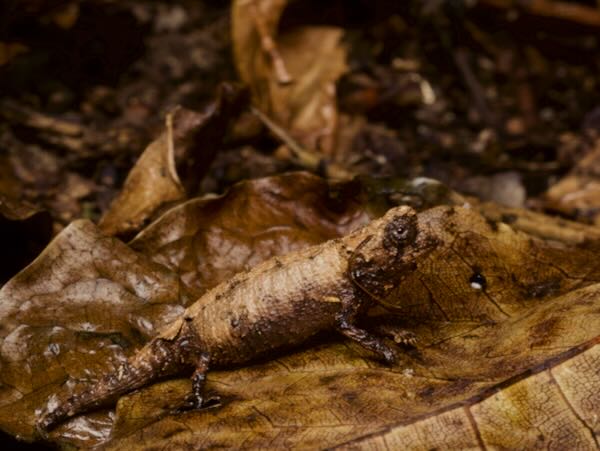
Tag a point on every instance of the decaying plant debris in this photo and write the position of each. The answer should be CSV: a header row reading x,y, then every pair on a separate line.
x,y
150,151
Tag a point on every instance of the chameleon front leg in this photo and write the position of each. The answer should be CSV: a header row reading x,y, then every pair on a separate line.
x,y
345,324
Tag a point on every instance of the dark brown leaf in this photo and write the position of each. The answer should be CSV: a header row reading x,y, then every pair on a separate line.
x,y
88,300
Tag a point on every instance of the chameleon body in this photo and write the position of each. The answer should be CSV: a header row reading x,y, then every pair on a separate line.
x,y
279,303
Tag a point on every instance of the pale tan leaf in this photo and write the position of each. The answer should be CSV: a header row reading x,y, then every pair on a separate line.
x,y
151,183
314,57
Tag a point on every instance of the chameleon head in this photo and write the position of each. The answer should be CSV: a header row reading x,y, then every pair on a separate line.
x,y
389,237
408,238
389,254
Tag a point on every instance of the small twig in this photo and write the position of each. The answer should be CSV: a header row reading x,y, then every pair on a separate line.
x,y
73,137
526,99
303,157
171,148
573,12
34,119
461,58
269,46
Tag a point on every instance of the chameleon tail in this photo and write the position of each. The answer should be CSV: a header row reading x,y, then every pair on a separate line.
x,y
153,361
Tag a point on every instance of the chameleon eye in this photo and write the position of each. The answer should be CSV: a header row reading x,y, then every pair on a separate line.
x,y
400,231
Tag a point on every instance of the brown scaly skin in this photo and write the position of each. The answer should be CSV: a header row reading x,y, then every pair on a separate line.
x,y
280,303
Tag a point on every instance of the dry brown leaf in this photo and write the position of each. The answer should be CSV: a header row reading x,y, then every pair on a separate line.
x,y
315,58
151,183
555,407
484,320
539,225
88,299
174,163
248,50
208,240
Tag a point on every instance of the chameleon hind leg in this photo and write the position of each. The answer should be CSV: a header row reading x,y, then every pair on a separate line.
x,y
199,380
192,354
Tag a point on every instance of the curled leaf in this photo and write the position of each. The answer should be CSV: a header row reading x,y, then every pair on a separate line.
x,y
248,49
314,57
151,183
173,163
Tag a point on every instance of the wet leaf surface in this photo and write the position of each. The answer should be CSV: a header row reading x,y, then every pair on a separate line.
x,y
84,303
89,300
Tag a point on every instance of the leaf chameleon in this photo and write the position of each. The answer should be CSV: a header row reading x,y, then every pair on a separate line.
x,y
279,303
